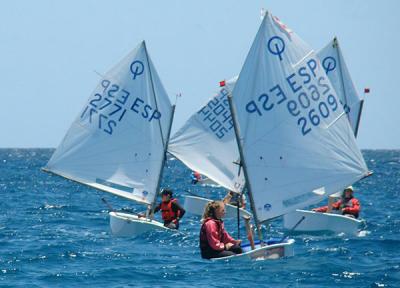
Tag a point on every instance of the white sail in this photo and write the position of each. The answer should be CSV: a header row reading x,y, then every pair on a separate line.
x,y
335,68
296,145
197,147
206,142
118,140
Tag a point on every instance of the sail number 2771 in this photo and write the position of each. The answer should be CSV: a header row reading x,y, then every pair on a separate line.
x,y
109,105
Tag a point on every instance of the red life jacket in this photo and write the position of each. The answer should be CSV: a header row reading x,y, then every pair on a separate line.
x,y
197,175
167,213
204,246
348,204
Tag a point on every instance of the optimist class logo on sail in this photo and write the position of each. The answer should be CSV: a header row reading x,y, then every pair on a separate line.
x,y
137,68
329,64
305,93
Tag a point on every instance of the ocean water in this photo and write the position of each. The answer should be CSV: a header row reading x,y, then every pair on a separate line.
x,y
55,233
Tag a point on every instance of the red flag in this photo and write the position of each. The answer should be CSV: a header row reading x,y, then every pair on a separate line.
x,y
222,83
366,90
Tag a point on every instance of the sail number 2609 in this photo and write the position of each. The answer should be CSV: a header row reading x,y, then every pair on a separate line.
x,y
311,98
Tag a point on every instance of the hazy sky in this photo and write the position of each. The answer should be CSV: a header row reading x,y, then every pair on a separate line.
x,y
49,51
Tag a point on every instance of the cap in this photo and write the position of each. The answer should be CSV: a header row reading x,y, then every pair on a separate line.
x,y
349,188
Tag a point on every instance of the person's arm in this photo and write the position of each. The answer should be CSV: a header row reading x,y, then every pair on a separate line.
x,y
336,205
321,209
178,209
243,201
355,209
212,236
228,238
157,208
227,198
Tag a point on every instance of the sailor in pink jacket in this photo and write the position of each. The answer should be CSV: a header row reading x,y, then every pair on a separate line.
x,y
215,242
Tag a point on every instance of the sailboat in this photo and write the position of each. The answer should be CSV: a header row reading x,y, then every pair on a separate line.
x,y
198,144
206,143
333,62
202,180
118,142
295,143
195,147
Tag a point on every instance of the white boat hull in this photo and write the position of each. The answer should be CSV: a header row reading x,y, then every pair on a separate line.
x,y
316,221
125,224
268,252
195,205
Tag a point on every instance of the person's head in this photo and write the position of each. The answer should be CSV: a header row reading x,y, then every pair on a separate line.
x,y
348,192
166,195
215,210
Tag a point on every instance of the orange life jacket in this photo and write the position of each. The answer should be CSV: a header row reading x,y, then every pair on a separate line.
x,y
167,213
353,204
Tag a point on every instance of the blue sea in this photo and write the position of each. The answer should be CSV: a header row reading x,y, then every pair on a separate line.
x,y
55,233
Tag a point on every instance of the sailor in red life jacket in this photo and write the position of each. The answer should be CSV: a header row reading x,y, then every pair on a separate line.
x,y
195,176
171,211
215,242
348,205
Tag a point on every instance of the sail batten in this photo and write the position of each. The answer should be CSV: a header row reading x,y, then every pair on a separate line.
x,y
117,142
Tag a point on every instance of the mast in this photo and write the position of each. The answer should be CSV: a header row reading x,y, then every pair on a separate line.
x,y
163,163
150,210
243,162
359,118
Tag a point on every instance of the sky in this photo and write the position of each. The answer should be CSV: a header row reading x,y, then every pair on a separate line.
x,y
50,50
